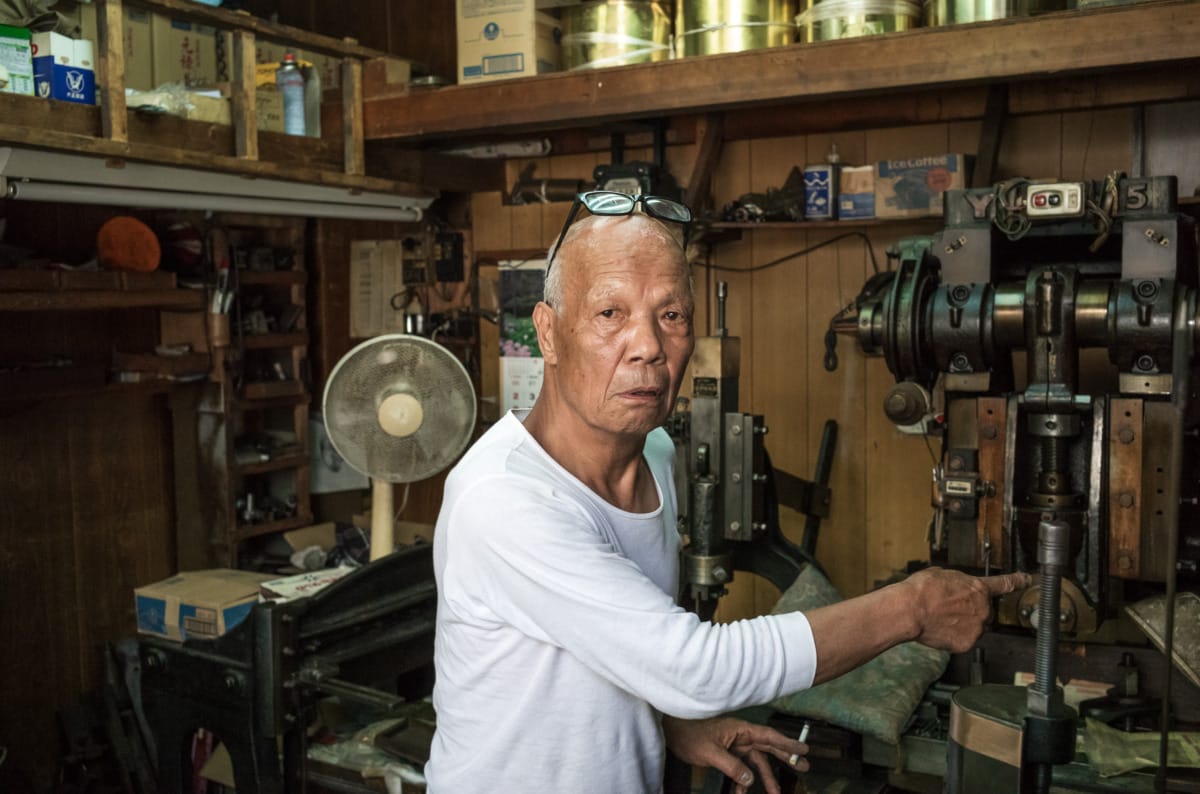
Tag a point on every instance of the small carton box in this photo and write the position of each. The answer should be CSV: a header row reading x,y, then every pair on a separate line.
x,y
62,68
914,186
197,604
138,60
16,61
502,40
820,191
856,193
183,52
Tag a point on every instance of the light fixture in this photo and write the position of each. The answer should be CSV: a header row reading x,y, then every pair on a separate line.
x,y
32,175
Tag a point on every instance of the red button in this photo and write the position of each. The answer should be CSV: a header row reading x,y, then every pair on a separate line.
x,y
1039,200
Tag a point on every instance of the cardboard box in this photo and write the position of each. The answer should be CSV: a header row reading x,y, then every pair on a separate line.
x,y
16,56
914,187
138,62
197,604
62,68
856,193
185,53
498,39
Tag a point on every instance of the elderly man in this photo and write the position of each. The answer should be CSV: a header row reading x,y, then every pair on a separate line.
x,y
563,662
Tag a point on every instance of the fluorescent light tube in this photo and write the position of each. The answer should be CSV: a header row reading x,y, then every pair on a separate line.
x,y
163,199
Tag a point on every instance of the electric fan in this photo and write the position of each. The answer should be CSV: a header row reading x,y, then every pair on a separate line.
x,y
398,408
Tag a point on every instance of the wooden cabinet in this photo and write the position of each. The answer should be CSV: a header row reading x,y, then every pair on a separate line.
x,y
251,445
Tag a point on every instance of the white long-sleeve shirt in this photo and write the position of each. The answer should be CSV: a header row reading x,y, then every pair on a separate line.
x,y
559,643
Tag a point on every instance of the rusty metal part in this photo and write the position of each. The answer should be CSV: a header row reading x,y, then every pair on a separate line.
x,y
1125,488
1075,615
993,433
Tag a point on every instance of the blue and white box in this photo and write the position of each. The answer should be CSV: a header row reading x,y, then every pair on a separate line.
x,y
820,192
62,68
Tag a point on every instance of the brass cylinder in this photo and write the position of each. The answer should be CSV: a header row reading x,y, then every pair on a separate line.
x,y
615,33
827,20
957,12
708,27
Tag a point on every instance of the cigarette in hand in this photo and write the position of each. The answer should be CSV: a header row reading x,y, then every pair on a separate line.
x,y
802,739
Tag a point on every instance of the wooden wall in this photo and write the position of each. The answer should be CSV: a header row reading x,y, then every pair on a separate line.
x,y
420,31
86,504
880,477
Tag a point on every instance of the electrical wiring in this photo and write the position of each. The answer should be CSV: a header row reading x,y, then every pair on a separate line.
x,y
802,252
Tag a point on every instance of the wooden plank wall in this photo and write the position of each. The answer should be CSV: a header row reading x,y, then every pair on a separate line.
x,y
86,505
415,29
880,477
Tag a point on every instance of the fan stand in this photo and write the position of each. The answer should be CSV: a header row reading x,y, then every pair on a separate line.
x,y
383,522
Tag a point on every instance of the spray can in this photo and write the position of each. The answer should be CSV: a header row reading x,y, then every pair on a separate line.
x,y
290,80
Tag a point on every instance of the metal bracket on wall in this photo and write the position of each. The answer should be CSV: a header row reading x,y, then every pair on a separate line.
x,y
990,135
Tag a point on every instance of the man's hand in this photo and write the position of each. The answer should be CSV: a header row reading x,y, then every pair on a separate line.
x,y
726,744
940,608
952,608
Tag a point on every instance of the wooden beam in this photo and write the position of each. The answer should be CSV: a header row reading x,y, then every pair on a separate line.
x,y
1005,50
244,96
110,74
231,20
68,300
167,155
711,132
352,116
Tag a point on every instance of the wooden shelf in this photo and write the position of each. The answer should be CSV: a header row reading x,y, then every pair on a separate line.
x,y
245,531
271,277
270,341
79,300
90,390
266,390
880,67
850,223
275,464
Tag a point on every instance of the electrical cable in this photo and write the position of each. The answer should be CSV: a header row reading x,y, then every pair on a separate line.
x,y
802,252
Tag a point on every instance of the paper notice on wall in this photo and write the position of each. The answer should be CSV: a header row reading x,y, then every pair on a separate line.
x,y
521,365
376,277
520,382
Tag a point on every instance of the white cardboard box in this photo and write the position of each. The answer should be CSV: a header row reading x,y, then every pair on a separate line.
x,y
498,39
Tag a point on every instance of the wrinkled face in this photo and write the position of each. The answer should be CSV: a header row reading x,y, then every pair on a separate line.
x,y
619,344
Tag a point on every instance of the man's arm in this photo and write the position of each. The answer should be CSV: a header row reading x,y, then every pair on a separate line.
x,y
936,607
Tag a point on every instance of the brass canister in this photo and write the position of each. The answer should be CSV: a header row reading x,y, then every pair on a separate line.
x,y
615,33
957,12
827,20
708,27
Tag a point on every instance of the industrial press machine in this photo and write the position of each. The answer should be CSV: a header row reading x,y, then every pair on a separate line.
x,y
1047,335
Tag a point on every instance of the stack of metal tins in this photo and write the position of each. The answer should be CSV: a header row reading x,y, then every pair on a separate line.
x,y
615,33
826,20
708,27
957,12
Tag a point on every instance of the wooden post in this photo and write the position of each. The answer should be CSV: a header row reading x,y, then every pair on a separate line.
x,y
110,74
710,132
245,90
352,115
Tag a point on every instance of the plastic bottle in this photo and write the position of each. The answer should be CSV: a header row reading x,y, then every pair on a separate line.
x,y
290,80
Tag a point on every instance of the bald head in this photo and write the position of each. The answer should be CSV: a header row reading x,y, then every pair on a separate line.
x,y
599,236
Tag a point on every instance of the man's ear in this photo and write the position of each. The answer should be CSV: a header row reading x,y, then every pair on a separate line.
x,y
543,320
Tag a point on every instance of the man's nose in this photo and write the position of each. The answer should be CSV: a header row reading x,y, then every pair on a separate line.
x,y
645,341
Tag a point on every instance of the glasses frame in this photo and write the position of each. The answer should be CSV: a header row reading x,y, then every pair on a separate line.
x,y
581,200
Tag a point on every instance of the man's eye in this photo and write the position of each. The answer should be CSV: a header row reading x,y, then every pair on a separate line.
x,y
673,316
608,313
